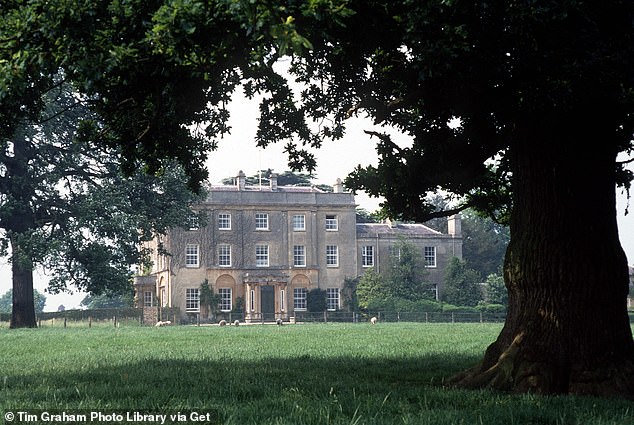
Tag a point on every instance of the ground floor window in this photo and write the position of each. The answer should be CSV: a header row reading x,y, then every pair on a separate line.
x,y
332,298
282,300
299,299
367,256
192,300
225,299
148,299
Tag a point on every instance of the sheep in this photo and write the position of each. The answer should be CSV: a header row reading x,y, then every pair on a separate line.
x,y
373,320
165,323
222,323
236,322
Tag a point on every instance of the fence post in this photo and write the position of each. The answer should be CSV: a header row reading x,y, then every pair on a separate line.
x,y
64,322
480,317
426,317
90,321
398,316
325,316
452,317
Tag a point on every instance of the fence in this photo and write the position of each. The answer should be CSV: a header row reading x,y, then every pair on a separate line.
x,y
349,317
102,317
357,317
134,317
396,316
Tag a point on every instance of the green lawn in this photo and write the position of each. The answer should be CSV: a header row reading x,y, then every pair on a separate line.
x,y
294,374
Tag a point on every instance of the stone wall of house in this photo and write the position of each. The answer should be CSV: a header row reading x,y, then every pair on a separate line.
x,y
245,278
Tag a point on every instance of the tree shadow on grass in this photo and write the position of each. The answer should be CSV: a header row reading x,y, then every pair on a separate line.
x,y
306,389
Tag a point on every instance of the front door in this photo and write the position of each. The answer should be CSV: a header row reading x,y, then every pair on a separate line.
x,y
267,297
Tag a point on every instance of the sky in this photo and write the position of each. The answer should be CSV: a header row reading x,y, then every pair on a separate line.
x,y
337,159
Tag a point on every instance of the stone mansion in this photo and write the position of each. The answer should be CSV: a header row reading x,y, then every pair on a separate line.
x,y
267,246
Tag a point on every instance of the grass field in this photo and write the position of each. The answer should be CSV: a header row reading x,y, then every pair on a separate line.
x,y
295,374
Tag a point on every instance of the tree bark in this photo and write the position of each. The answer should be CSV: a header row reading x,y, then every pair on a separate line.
x,y
567,329
19,225
23,312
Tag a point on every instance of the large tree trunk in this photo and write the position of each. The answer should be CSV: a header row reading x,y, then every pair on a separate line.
x,y
19,225
23,312
567,328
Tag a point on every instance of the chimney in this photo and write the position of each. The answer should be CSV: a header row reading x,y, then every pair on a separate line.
x,y
242,178
273,181
454,225
338,186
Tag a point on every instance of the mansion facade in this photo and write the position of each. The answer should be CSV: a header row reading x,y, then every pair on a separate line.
x,y
262,249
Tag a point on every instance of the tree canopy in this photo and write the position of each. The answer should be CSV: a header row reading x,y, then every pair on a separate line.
x,y
484,243
67,206
108,300
462,285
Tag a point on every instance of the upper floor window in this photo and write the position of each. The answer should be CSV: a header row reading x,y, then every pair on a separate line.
x,y
225,299
299,222
332,255
224,255
192,299
367,256
299,256
262,255
332,223
430,256
261,221
191,256
224,221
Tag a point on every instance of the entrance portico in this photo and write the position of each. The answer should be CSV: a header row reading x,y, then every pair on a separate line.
x,y
266,296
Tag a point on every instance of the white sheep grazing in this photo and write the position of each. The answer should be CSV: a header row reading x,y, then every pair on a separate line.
x,y
236,323
373,320
223,323
165,323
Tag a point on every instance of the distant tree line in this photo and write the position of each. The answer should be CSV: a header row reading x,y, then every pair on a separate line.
x,y
6,301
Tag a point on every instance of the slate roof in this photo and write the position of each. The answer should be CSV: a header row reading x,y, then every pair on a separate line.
x,y
381,229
